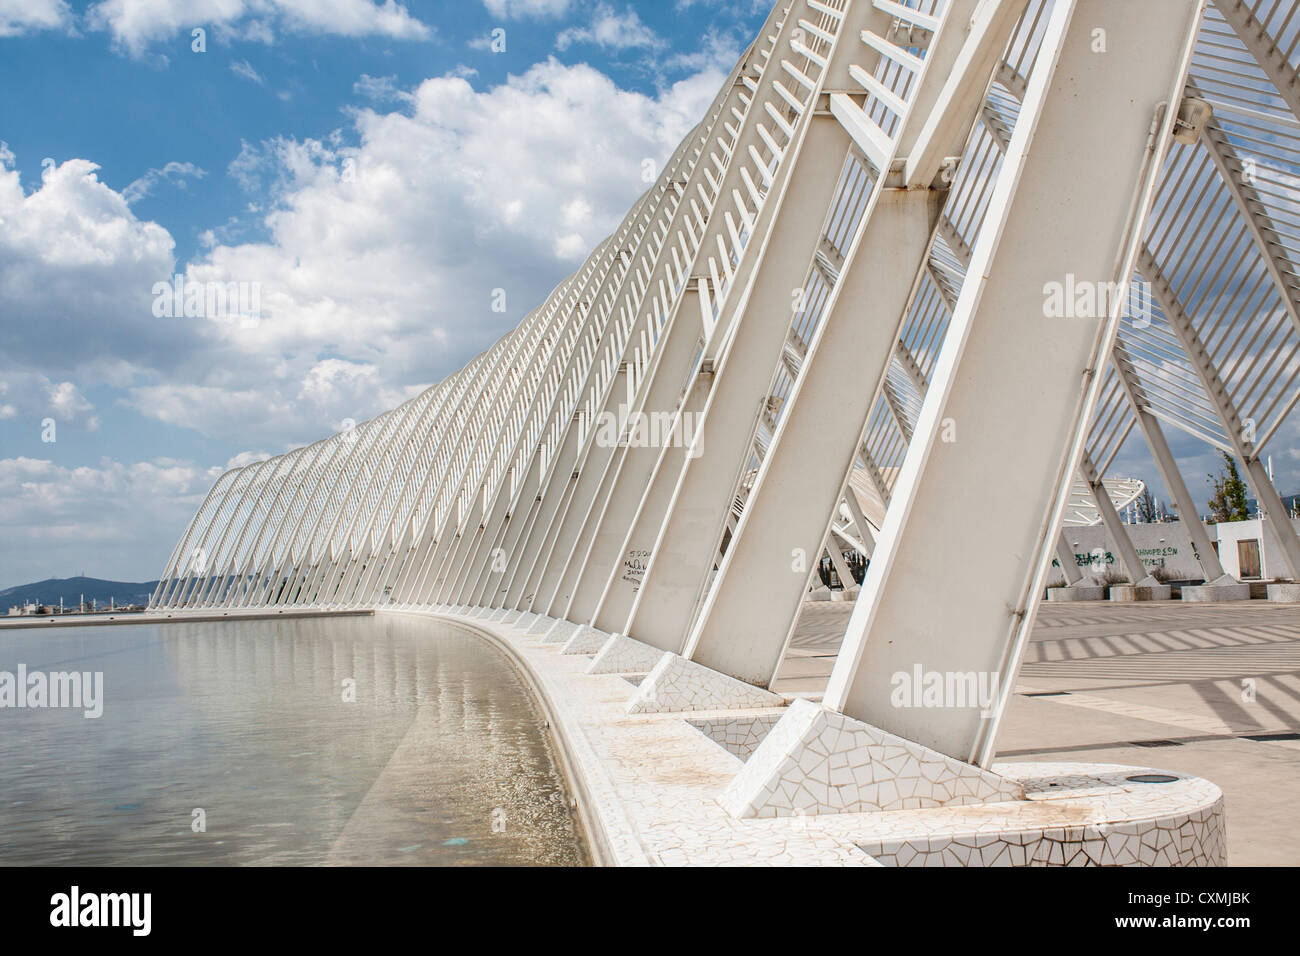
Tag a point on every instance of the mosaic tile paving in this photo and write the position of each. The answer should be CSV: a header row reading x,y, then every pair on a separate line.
x,y
651,782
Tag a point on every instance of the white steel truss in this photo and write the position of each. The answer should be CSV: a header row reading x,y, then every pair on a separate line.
x,y
827,327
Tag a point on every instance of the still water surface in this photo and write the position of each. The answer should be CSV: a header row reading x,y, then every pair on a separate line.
x,y
441,759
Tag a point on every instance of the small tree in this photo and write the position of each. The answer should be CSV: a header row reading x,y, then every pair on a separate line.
x,y
1146,507
1228,503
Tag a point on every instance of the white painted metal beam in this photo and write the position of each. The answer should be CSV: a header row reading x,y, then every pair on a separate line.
x,y
1019,386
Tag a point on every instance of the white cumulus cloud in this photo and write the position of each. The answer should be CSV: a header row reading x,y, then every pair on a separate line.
x,y
610,29
76,269
527,8
135,25
381,247
28,16
110,519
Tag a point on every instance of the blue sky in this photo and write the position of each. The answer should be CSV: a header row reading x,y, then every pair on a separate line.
x,y
375,168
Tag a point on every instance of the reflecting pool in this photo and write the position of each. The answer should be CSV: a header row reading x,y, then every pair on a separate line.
x,y
387,740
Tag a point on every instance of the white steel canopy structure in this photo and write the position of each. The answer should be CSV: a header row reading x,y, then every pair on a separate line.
x,y
922,269
1082,509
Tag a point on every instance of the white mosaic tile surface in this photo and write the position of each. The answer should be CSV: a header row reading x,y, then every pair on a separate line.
x,y
624,655
739,736
585,640
676,684
819,761
651,783
1123,823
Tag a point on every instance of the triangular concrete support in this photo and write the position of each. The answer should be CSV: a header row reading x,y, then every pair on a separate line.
x,y
585,640
560,632
677,685
819,761
540,626
624,655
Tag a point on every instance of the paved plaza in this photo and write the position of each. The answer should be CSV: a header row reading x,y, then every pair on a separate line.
x,y
1211,690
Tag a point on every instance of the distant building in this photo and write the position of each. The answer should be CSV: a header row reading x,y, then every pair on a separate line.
x,y
1248,550
28,610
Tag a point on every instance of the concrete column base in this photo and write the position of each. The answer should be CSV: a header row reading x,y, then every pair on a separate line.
x,y
560,632
1077,592
1284,593
525,620
624,655
1124,593
541,625
1226,588
585,640
677,685
818,761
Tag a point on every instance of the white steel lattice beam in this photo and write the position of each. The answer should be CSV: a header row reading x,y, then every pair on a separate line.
x,y
745,622
1096,122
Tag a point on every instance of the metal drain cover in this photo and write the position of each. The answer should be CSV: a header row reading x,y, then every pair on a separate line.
x,y
1151,778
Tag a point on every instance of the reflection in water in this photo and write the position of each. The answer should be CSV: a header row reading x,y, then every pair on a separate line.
x,y
441,759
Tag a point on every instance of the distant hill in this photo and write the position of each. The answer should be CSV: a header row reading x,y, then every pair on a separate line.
x,y
74,589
